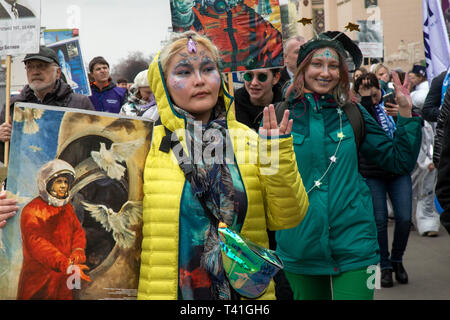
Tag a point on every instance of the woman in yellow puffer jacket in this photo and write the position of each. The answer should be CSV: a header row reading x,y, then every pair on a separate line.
x,y
250,190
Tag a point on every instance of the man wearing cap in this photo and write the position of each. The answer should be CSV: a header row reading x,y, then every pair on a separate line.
x,y
106,95
44,87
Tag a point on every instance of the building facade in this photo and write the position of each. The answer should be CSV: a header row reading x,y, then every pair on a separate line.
x,y
401,25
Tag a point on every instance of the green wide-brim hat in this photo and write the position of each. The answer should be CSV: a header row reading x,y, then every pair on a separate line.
x,y
332,39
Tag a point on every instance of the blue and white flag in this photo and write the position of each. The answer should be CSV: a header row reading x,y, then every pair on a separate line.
x,y
435,36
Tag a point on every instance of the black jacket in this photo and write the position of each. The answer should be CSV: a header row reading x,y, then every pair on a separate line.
x,y
430,109
249,114
22,11
443,180
62,95
284,77
441,120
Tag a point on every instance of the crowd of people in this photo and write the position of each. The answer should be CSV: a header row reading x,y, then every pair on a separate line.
x,y
355,147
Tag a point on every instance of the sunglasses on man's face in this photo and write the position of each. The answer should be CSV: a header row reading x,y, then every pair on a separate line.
x,y
262,77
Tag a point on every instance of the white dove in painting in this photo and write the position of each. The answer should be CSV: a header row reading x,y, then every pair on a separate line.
x,y
119,222
108,159
28,116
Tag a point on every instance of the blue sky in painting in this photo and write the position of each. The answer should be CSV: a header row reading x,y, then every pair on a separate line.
x,y
25,160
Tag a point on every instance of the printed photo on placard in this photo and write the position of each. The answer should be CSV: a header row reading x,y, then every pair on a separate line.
x,y
20,23
72,64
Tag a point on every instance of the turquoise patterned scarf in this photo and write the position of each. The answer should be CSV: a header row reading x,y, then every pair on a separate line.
x,y
211,179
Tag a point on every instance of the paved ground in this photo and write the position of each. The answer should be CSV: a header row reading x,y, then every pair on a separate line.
x,y
427,261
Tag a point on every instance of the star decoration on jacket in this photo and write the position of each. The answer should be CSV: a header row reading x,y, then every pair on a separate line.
x,y
317,183
352,27
333,159
339,111
340,135
305,21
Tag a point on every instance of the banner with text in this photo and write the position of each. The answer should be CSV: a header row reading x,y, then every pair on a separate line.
x,y
20,23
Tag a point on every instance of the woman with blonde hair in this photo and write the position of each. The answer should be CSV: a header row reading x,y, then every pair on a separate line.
x,y
384,76
180,250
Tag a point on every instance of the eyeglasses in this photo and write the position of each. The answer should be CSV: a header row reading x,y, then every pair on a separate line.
x,y
248,76
38,66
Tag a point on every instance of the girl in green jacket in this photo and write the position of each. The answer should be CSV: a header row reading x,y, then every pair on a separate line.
x,y
334,252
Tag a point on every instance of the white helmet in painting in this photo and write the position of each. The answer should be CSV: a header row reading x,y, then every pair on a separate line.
x,y
48,174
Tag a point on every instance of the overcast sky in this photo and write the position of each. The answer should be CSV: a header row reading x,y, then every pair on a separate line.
x,y
111,28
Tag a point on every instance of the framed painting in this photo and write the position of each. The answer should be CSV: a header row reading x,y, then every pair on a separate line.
x,y
77,176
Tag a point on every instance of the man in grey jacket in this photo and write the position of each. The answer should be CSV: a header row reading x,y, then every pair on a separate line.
x,y
44,87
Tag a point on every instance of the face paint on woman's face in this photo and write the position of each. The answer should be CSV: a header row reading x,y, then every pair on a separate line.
x,y
327,54
322,73
193,82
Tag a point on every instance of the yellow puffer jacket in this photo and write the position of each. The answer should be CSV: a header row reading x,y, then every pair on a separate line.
x,y
274,201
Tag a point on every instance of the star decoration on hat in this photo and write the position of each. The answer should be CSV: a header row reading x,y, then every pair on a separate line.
x,y
341,135
305,21
352,27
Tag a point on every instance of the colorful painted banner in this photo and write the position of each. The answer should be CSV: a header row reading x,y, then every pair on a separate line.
x,y
247,33
77,176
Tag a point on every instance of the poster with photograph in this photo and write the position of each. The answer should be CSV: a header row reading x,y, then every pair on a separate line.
x,y
66,44
370,3
77,176
370,38
289,18
247,33
55,35
20,24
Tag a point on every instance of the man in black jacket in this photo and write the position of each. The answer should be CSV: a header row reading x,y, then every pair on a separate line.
x,y
260,89
430,109
44,87
443,180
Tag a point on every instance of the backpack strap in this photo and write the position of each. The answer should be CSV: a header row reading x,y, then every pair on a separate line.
x,y
184,162
356,119
280,107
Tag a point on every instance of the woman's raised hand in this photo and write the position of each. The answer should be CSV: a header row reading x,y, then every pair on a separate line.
x,y
403,97
270,126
